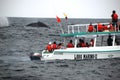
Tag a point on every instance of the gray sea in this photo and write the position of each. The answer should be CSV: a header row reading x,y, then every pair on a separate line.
x,y
18,40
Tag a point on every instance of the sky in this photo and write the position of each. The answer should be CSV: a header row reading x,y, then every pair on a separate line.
x,y
51,8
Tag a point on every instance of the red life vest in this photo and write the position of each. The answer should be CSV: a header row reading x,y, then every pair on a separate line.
x,y
54,46
100,27
90,28
105,27
83,44
115,16
70,45
49,47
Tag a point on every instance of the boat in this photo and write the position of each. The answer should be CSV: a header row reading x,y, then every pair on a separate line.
x,y
98,51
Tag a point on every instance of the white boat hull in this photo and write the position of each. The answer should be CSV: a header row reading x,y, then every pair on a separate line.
x,y
83,53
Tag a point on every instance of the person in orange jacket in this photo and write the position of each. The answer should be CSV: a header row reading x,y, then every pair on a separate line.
x,y
70,45
49,47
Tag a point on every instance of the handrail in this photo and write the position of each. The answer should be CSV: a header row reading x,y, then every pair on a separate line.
x,y
71,28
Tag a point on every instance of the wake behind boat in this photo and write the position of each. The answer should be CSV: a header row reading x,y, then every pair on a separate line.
x,y
111,50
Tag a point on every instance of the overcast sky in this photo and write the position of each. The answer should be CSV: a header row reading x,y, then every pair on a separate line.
x,y
51,8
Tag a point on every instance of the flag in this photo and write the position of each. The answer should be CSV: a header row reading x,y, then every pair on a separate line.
x,y
65,16
58,19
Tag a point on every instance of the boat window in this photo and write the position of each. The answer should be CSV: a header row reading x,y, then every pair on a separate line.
x,y
103,40
117,40
100,41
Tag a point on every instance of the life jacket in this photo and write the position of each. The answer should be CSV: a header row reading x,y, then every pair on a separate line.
x,y
49,47
115,16
54,46
90,28
83,44
105,27
70,45
100,27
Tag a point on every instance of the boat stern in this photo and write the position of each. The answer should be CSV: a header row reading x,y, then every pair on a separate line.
x,y
35,56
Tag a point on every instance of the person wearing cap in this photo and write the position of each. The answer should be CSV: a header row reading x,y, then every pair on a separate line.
x,y
49,47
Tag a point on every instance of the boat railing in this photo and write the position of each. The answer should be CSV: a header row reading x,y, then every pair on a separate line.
x,y
77,28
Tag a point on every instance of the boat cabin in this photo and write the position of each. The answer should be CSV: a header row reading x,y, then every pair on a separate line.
x,y
100,38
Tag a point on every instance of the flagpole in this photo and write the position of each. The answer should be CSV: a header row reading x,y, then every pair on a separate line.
x,y
59,21
67,24
66,21
61,28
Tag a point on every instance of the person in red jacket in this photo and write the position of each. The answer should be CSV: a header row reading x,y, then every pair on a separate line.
x,y
91,28
114,18
54,46
70,45
100,27
104,27
83,44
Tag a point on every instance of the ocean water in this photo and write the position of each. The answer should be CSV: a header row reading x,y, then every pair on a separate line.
x,y
18,40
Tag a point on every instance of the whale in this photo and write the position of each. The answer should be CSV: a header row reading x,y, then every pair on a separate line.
x,y
37,24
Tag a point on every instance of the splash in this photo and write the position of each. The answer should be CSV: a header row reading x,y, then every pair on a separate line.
x,y
4,21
